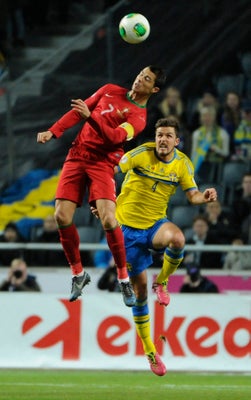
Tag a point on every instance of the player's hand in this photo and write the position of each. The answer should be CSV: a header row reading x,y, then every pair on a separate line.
x,y
43,137
94,212
80,106
210,195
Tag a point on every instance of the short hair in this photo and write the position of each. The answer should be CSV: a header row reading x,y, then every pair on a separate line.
x,y
160,75
200,217
246,175
170,121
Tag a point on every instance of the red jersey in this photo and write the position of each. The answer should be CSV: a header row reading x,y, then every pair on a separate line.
x,y
114,119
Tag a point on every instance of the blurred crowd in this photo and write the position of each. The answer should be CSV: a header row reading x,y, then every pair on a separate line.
x,y
214,135
222,128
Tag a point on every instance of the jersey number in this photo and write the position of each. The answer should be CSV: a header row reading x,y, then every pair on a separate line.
x,y
111,108
154,186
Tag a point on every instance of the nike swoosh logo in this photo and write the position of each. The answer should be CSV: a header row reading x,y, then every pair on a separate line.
x,y
108,95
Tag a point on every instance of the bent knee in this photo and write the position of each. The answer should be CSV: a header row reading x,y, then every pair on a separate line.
x,y
178,240
62,217
108,221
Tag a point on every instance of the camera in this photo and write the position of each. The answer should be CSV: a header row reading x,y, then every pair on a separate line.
x,y
18,273
193,271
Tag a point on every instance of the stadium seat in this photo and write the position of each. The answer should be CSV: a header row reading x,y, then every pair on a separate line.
x,y
82,215
88,234
228,83
183,216
231,177
179,198
188,233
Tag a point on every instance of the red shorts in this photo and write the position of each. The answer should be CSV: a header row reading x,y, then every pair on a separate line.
x,y
79,175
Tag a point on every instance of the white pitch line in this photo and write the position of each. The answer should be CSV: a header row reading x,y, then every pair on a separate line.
x,y
163,386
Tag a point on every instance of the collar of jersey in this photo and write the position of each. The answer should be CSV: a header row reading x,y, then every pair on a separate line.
x,y
134,102
160,159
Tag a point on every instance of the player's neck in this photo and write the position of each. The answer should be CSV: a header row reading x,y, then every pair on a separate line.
x,y
138,98
165,158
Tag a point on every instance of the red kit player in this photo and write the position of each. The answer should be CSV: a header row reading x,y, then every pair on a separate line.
x,y
111,116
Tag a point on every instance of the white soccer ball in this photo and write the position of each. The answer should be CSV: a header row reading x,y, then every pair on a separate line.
x,y
134,28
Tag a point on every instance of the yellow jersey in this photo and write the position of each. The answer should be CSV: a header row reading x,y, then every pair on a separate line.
x,y
149,183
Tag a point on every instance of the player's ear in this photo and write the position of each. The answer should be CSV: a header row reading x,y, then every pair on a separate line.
x,y
156,89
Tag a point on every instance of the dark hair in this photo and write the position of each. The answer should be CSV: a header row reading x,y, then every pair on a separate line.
x,y
169,122
246,174
193,271
200,217
11,225
160,75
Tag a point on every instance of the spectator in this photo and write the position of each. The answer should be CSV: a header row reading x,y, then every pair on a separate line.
x,y
201,236
194,282
171,105
231,116
19,280
10,234
208,99
210,146
49,234
237,260
242,136
109,279
242,207
220,222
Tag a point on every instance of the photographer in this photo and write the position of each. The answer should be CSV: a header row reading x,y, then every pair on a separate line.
x,y
19,280
194,282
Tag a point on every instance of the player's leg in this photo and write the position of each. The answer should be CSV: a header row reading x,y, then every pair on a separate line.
x,y
141,319
69,239
140,310
170,237
70,193
115,240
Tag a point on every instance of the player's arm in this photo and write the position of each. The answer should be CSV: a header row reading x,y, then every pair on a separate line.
x,y
122,133
68,120
188,184
79,111
196,197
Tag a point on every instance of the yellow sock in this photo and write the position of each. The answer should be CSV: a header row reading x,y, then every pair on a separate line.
x,y
142,323
172,259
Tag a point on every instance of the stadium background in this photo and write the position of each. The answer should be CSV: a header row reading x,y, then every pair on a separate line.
x,y
198,44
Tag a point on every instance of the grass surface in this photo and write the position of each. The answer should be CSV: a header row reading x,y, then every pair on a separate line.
x,y
97,385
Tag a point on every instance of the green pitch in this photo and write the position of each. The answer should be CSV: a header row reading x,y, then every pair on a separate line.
x,y
107,385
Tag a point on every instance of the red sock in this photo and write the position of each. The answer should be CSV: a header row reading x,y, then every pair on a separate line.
x,y
69,239
115,240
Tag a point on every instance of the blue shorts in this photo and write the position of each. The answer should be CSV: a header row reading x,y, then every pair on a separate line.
x,y
138,244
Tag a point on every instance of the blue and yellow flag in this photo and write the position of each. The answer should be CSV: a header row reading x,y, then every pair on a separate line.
x,y
29,200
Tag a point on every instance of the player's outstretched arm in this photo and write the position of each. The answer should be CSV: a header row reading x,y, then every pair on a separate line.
x,y
43,137
196,197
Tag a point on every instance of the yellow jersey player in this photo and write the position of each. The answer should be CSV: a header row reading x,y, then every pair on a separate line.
x,y
154,171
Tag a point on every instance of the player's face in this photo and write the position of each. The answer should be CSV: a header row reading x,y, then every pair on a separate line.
x,y
145,82
166,140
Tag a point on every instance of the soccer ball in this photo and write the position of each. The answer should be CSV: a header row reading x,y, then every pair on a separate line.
x,y
134,28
